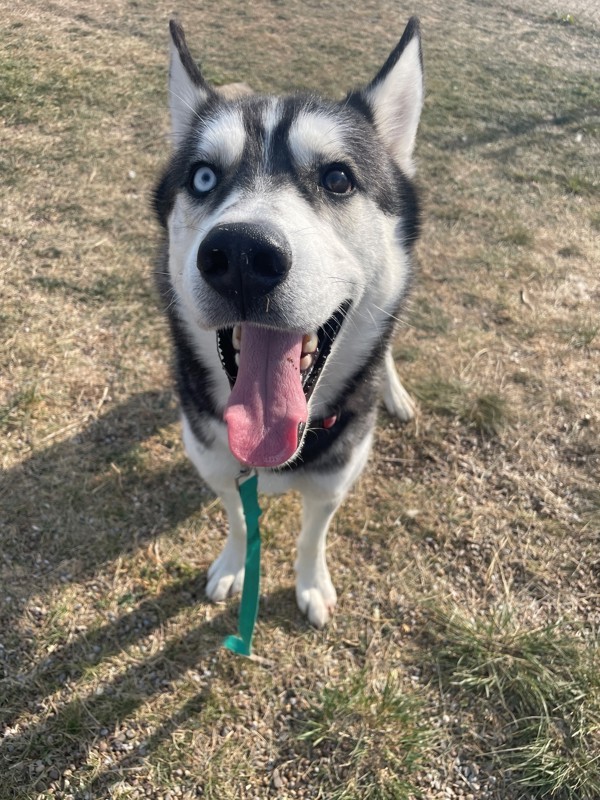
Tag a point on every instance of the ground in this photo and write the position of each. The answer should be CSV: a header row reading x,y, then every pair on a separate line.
x,y
462,659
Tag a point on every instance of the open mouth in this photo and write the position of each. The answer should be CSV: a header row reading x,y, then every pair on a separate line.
x,y
273,375
315,349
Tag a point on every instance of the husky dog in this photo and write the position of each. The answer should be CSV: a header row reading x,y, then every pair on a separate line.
x,y
289,224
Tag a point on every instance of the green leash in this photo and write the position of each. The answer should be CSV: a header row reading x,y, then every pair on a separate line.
x,y
242,644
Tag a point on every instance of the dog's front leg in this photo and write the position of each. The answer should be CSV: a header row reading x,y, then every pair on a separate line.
x,y
315,592
322,495
219,469
226,573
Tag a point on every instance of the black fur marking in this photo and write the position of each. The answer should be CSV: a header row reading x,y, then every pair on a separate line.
x,y
358,102
409,227
163,196
194,381
412,29
188,62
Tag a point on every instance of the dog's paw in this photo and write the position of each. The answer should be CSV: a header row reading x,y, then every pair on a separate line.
x,y
316,596
225,575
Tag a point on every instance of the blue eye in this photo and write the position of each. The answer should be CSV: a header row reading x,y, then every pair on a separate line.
x,y
203,179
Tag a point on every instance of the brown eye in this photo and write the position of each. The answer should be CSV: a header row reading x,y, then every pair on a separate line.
x,y
337,180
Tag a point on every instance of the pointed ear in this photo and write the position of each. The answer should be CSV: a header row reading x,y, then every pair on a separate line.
x,y
395,96
187,87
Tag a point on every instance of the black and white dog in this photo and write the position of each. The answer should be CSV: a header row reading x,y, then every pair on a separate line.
x,y
289,224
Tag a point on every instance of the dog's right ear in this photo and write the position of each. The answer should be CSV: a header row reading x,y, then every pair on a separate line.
x,y
187,87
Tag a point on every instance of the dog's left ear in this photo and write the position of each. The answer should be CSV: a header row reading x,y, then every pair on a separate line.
x,y
395,96
187,87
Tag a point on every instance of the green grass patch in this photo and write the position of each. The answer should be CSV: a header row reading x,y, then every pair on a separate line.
x,y
426,317
570,251
406,354
106,289
591,506
19,406
539,684
582,334
441,396
518,236
579,185
486,413
372,737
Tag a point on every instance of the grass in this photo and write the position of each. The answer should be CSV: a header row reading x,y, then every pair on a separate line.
x,y
543,684
370,739
463,655
583,334
575,184
519,236
485,413
18,405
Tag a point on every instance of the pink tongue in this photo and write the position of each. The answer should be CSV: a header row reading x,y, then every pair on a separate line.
x,y
267,402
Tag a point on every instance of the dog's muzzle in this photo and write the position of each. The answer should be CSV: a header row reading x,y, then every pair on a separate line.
x,y
244,262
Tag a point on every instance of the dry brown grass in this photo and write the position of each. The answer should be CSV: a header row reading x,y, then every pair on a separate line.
x,y
112,680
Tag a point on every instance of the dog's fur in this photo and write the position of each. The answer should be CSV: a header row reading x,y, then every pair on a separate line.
x,y
290,216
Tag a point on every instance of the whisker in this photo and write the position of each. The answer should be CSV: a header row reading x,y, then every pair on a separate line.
x,y
185,102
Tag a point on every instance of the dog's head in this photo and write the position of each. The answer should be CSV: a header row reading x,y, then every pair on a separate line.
x,y
290,223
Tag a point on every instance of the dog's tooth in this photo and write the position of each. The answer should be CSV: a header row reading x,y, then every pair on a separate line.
x,y
310,343
306,361
236,337
237,359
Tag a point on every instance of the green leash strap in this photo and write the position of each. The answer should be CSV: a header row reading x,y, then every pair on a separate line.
x,y
242,644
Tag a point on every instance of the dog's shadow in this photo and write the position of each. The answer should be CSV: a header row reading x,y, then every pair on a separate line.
x,y
78,503
99,717
67,511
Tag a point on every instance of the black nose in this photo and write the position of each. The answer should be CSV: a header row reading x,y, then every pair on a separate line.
x,y
244,262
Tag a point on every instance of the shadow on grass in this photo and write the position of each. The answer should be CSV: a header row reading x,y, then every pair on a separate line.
x,y
67,511
71,662
73,724
71,507
514,126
